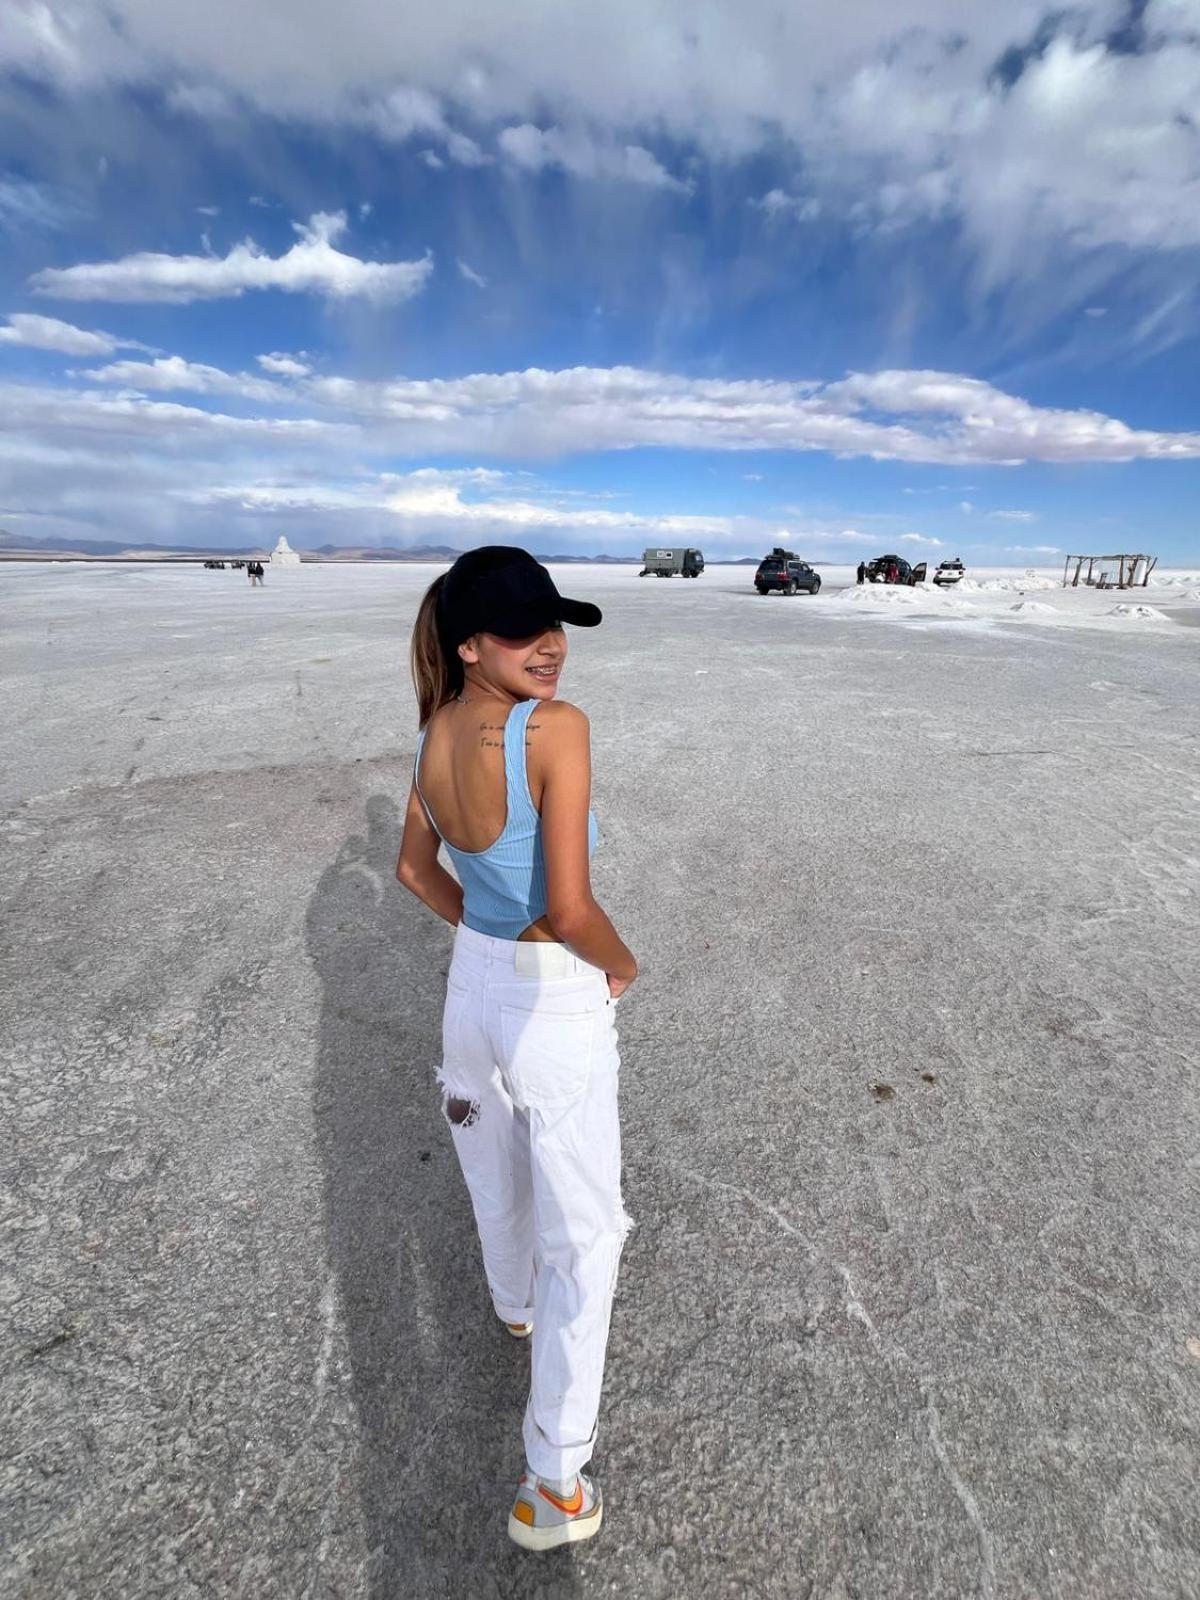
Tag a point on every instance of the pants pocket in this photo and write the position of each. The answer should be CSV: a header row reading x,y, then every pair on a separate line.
x,y
548,1055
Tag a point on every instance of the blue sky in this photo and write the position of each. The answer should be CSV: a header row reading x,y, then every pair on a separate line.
x,y
881,275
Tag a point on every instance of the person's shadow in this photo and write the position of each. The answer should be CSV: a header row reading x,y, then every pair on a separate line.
x,y
439,1385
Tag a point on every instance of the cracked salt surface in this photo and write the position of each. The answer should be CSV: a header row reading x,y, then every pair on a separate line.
x,y
935,1342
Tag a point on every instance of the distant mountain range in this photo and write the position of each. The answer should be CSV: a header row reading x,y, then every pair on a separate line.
x,y
14,546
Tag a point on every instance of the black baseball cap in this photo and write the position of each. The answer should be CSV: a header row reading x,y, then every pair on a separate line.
x,y
501,589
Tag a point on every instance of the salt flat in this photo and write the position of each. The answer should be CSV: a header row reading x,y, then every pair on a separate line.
x,y
910,1099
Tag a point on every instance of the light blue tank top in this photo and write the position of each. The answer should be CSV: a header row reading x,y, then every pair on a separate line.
x,y
504,886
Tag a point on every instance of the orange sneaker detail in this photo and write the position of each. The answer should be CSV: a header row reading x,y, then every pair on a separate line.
x,y
572,1506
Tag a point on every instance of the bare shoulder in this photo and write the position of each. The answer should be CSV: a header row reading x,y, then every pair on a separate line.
x,y
560,719
557,742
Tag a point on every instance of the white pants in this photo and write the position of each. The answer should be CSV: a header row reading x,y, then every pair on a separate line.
x,y
529,1071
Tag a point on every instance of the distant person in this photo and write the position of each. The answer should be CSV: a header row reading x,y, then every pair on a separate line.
x,y
862,572
893,573
250,572
529,1062
256,573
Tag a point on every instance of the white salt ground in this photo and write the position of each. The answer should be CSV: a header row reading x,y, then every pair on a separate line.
x,y
908,1082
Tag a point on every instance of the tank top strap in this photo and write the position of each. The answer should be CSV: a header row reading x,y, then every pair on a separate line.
x,y
520,801
417,780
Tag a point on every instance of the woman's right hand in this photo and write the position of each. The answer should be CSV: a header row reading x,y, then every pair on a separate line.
x,y
617,986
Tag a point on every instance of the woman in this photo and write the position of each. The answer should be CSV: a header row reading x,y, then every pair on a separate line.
x,y
529,1066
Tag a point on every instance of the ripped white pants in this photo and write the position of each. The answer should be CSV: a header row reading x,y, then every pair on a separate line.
x,y
529,1074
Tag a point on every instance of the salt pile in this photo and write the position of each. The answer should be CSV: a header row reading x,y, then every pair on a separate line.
x,y
1020,584
1142,613
876,595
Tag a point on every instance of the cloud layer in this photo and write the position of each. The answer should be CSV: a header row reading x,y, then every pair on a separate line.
x,y
290,441
1034,126
910,416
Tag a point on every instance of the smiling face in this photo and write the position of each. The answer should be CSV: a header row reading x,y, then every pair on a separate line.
x,y
520,669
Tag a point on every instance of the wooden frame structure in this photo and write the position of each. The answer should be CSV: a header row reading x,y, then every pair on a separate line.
x,y
1133,571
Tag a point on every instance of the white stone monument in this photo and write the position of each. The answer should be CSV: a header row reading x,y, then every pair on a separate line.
x,y
283,555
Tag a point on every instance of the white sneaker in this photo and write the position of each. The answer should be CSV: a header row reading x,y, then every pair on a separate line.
x,y
541,1518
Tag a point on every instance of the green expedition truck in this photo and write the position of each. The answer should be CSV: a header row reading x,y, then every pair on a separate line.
x,y
688,563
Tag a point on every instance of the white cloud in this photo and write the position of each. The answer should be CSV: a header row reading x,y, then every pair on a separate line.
x,y
173,374
965,507
465,270
281,365
1087,149
920,538
209,211
1014,516
201,100
467,502
25,206
432,160
433,494
48,333
407,111
778,203
585,157
1032,550
1095,311
56,414
917,416
311,266
986,424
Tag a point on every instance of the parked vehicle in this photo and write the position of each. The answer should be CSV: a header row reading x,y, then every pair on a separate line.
x,y
949,571
681,561
216,565
895,569
783,572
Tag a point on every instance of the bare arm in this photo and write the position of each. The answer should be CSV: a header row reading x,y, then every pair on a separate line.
x,y
564,757
420,870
